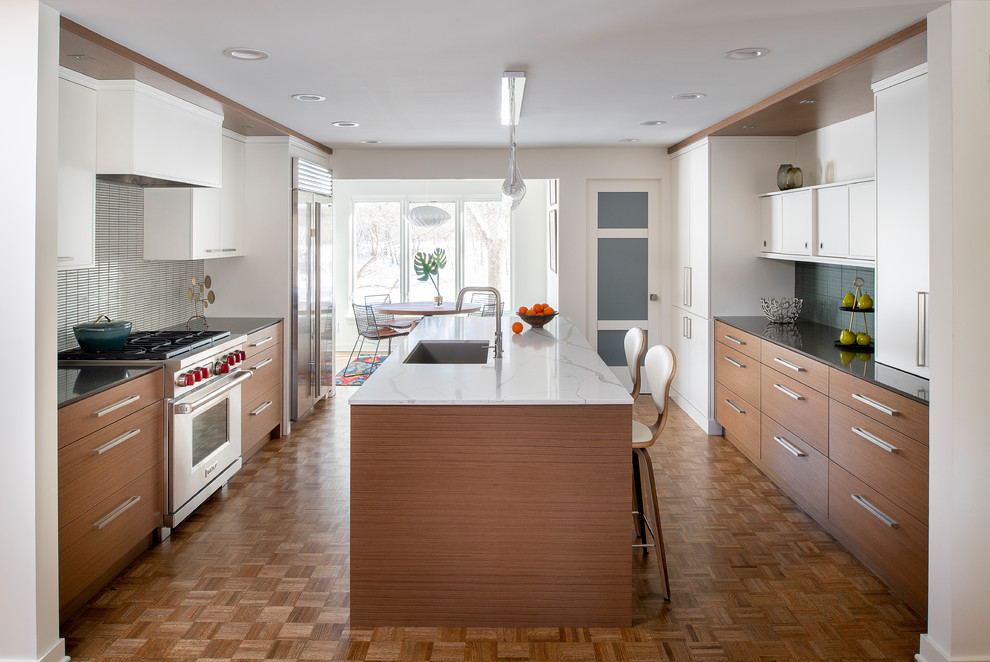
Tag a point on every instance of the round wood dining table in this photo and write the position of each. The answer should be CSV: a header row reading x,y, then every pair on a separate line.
x,y
425,308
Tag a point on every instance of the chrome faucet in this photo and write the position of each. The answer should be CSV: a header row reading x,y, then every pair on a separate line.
x,y
498,313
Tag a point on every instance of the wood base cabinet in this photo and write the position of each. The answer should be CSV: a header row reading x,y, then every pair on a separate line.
x,y
261,396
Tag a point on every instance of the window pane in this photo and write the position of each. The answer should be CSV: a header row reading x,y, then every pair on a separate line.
x,y
376,249
486,245
427,240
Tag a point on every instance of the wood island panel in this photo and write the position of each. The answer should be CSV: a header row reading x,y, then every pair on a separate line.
x,y
496,515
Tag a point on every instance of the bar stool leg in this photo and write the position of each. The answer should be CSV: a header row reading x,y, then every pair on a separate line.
x,y
639,515
662,555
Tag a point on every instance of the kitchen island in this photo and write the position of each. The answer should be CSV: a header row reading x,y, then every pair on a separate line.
x,y
494,494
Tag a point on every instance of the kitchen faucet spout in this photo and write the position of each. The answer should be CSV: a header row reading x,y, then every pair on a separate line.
x,y
498,312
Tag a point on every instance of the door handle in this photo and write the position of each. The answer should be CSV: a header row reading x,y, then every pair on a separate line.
x,y
654,297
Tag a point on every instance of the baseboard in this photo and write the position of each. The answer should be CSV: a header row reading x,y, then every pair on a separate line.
x,y
700,419
56,653
932,652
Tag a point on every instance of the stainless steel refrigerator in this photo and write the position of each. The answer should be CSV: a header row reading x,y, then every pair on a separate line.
x,y
312,319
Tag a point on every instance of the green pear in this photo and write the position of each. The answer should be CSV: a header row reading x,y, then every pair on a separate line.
x,y
847,337
865,301
863,339
848,300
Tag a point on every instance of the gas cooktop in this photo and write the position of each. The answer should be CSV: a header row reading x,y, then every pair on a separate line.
x,y
149,346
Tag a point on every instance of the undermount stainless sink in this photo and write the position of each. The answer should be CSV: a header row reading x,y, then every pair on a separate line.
x,y
449,351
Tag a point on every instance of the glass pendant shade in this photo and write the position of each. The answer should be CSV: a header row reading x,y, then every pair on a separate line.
x,y
427,216
513,188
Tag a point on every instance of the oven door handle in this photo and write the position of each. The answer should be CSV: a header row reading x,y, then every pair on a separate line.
x,y
188,408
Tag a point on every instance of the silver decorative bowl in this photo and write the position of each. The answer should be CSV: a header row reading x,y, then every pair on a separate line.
x,y
784,310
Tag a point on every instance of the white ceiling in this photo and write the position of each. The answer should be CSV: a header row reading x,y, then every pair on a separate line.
x,y
427,74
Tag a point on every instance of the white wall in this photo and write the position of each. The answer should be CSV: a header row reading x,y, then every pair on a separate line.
x,y
959,493
839,152
528,248
28,474
573,166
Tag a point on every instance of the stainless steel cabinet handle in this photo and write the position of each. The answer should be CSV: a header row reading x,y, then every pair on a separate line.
x,y
733,405
117,405
788,364
228,250
788,392
734,362
687,327
116,442
212,250
921,348
261,342
116,512
735,340
890,411
66,259
261,408
876,512
873,439
796,452
193,406
262,364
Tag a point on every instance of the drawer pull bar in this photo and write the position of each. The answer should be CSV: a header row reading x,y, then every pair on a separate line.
x,y
879,514
116,442
732,404
116,512
876,405
261,342
788,364
735,340
260,409
262,364
117,405
873,439
788,392
796,452
734,362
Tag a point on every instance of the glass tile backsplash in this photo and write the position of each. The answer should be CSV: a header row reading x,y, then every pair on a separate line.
x,y
822,287
151,294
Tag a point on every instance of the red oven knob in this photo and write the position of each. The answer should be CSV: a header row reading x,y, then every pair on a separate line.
x,y
230,359
197,374
243,355
189,379
205,372
225,368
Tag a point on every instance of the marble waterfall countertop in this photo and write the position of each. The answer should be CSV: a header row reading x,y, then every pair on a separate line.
x,y
550,366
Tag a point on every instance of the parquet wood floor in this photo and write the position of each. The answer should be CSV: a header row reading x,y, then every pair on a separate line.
x,y
260,572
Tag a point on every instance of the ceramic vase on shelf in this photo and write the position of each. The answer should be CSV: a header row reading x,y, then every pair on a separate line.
x,y
795,178
782,176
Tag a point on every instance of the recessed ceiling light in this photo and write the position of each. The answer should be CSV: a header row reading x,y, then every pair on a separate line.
x,y
652,123
808,101
81,57
372,142
346,125
690,96
745,53
308,97
628,140
750,126
242,53
246,126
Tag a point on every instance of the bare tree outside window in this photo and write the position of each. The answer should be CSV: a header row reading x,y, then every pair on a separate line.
x,y
486,245
377,260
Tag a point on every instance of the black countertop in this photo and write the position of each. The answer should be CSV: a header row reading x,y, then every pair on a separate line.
x,y
236,325
817,341
80,382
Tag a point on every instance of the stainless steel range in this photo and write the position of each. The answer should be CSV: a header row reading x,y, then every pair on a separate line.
x,y
203,373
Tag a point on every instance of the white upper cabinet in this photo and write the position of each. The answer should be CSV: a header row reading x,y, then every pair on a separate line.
x,y
76,170
198,223
798,220
145,132
847,220
771,224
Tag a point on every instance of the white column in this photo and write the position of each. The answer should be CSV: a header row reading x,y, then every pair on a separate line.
x,y
959,535
28,473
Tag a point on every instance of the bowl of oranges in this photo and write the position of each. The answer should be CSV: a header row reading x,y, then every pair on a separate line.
x,y
537,316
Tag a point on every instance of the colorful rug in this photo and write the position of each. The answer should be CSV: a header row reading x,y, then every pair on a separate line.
x,y
358,370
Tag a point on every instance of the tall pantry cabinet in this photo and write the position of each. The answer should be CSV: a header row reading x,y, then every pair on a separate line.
x,y
901,105
714,267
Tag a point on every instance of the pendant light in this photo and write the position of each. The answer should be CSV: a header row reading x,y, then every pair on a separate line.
x,y
513,188
427,216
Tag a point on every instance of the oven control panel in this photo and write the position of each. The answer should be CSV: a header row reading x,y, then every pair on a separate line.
x,y
201,368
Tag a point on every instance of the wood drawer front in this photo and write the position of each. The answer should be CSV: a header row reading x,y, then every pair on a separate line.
x,y
86,552
258,418
267,367
901,475
899,556
94,466
908,416
796,366
746,343
81,418
741,420
796,406
738,372
796,467
263,339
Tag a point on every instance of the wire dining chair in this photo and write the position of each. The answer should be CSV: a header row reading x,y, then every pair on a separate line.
x,y
370,327
487,302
